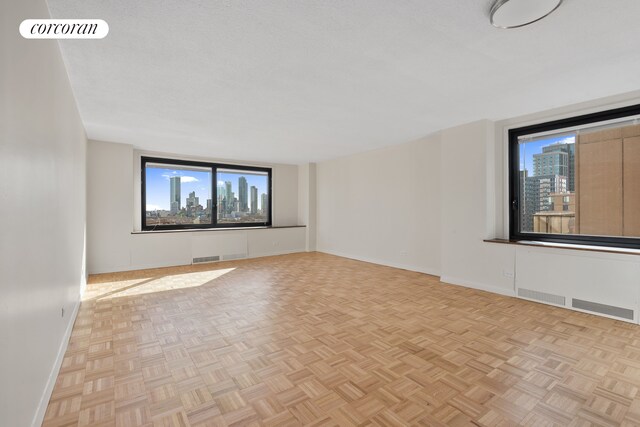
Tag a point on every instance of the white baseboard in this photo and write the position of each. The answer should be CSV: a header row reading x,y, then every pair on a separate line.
x,y
480,286
276,253
433,272
51,382
430,271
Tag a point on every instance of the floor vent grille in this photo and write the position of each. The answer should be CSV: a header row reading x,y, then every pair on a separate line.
x,y
202,260
541,296
611,310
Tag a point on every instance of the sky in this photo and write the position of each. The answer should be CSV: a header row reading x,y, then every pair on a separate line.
x,y
158,190
528,149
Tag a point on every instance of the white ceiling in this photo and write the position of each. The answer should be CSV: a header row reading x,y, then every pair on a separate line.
x,y
306,80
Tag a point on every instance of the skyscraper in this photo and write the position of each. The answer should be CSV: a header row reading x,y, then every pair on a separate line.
x,y
570,150
263,204
243,196
254,199
551,162
229,193
228,197
174,197
526,220
222,199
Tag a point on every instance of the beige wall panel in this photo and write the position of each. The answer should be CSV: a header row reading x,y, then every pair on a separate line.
x,y
601,135
631,181
601,187
629,131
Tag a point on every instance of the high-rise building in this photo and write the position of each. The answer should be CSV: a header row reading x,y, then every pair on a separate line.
x,y
222,190
174,197
570,150
222,199
243,195
263,203
228,194
254,199
551,162
523,201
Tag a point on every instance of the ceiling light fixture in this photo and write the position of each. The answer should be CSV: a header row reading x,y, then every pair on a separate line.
x,y
518,13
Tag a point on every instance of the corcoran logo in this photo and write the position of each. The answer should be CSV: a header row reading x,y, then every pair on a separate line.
x,y
64,29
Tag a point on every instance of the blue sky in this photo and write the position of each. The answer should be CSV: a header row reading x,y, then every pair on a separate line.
x,y
158,192
528,149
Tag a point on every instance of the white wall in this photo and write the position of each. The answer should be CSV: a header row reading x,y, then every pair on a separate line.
x,y
383,206
285,195
467,210
110,210
307,202
439,198
42,207
113,213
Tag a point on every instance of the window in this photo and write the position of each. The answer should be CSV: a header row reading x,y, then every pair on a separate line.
x,y
577,180
179,194
242,196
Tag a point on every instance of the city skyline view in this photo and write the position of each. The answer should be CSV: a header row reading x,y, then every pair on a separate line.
x,y
184,195
158,186
258,180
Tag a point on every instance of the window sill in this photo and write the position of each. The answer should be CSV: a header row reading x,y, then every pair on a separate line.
x,y
198,230
589,248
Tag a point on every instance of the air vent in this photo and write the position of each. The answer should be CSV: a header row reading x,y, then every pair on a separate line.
x,y
233,256
611,310
201,260
541,296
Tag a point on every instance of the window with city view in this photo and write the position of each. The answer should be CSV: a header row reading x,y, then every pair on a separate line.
x,y
181,194
578,180
242,196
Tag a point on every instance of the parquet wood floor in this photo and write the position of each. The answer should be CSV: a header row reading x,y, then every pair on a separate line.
x,y
314,339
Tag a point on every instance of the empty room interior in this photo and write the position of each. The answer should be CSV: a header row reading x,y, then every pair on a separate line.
x,y
320,212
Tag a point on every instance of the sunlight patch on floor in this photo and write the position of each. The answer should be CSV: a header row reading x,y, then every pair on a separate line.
x,y
149,285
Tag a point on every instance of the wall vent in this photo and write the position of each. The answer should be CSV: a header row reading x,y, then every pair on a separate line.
x,y
233,256
611,310
203,259
541,296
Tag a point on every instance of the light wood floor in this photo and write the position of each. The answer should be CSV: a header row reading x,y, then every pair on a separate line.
x,y
313,339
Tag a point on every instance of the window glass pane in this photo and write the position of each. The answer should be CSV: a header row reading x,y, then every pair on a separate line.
x,y
547,184
177,195
243,196
585,181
